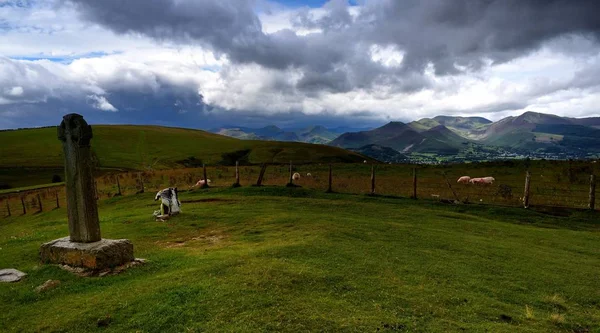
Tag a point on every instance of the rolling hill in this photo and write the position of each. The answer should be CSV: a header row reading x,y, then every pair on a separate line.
x,y
311,134
405,139
533,130
467,127
36,154
381,153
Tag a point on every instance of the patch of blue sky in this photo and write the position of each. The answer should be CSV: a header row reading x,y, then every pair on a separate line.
x,y
212,68
17,3
63,59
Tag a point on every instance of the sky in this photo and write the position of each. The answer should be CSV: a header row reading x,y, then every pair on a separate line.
x,y
292,63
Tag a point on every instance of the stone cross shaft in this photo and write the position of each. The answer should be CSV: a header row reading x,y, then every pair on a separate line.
x,y
75,135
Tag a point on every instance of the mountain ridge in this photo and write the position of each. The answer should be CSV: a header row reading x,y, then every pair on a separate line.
x,y
446,135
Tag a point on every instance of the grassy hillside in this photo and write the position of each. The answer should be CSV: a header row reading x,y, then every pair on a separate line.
x,y
256,259
406,138
141,147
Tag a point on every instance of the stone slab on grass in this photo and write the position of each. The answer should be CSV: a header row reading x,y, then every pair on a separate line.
x,y
11,275
106,253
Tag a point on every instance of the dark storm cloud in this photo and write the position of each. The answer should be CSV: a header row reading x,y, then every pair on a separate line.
x,y
36,93
463,32
451,35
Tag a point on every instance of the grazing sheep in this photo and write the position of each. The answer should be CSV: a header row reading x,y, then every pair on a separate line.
x,y
484,180
476,181
464,180
201,182
365,161
308,174
296,176
488,180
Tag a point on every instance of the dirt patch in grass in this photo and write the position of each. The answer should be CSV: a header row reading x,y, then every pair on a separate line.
x,y
205,239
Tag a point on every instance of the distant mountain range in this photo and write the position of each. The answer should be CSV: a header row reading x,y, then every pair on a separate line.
x,y
311,134
450,138
534,133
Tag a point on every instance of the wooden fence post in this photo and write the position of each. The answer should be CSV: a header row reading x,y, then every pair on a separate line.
x,y
291,181
23,204
141,179
205,185
261,174
451,189
57,203
329,188
237,174
118,186
8,205
372,179
414,196
96,189
592,203
526,193
40,203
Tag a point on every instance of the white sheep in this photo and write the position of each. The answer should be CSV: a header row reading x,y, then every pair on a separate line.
x,y
296,176
201,182
464,179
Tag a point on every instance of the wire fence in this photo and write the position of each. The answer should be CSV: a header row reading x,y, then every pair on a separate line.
x,y
568,187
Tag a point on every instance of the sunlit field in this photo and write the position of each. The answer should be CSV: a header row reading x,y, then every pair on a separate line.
x,y
293,259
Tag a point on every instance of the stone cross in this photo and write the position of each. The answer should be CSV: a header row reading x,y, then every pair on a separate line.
x,y
84,248
82,210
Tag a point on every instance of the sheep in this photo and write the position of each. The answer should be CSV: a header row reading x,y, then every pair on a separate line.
x,y
476,181
365,161
484,180
308,174
201,182
464,180
488,180
296,176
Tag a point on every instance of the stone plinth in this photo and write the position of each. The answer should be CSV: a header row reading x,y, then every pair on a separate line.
x,y
106,253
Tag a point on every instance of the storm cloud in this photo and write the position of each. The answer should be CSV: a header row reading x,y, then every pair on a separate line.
x,y
206,62
451,36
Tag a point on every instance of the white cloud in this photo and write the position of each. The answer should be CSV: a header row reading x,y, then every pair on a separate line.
x,y
101,103
15,91
388,56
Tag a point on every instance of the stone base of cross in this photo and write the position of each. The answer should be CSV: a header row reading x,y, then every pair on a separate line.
x,y
84,247
106,253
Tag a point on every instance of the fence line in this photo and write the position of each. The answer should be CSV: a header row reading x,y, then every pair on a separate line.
x,y
424,183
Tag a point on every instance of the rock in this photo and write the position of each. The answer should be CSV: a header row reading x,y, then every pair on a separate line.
x,y
106,253
104,273
11,275
50,284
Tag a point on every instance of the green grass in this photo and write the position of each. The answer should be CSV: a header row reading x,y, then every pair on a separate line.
x,y
547,137
33,187
143,147
277,259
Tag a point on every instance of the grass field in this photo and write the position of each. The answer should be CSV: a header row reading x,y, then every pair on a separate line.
x,y
38,152
277,259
